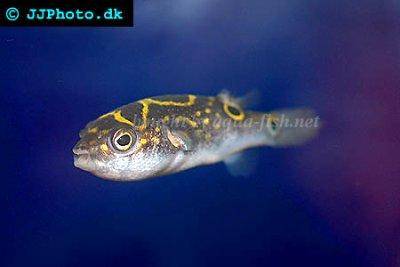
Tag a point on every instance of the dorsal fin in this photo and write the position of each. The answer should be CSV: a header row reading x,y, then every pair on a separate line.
x,y
249,99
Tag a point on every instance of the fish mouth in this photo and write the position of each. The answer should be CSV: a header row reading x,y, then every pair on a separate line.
x,y
81,157
82,162
80,148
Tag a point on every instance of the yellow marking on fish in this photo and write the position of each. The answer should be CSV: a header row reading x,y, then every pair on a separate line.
x,y
104,148
117,116
198,113
105,132
149,101
231,109
143,141
187,120
155,140
145,113
93,130
206,121
207,110
166,119
190,102
158,129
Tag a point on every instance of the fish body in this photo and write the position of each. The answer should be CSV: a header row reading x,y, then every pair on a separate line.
x,y
167,134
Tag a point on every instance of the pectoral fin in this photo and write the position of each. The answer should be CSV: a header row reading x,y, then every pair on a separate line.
x,y
179,139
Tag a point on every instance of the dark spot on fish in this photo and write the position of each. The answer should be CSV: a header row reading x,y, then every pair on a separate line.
x,y
234,111
274,125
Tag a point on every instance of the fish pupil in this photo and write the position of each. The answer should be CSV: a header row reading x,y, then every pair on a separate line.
x,y
124,140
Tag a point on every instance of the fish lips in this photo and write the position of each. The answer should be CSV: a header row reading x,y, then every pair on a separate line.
x,y
82,156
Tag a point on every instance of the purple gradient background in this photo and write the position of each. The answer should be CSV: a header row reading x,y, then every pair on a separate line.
x,y
334,202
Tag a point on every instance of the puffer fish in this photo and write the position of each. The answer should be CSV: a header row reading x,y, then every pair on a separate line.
x,y
167,134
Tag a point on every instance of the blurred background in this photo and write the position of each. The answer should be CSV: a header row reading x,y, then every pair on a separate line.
x,y
333,202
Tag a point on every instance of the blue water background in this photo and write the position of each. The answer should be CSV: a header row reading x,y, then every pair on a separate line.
x,y
333,202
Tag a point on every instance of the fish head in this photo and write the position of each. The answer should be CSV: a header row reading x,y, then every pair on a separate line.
x,y
119,151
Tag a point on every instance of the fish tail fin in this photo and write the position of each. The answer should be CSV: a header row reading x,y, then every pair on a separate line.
x,y
290,127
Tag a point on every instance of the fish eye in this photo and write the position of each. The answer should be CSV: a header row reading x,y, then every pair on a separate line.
x,y
123,140
234,111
